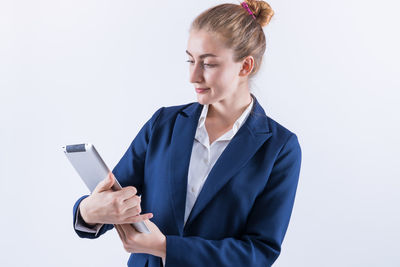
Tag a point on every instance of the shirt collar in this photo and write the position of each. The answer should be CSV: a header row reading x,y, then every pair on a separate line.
x,y
237,123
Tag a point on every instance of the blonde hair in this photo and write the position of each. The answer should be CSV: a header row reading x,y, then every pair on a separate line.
x,y
238,29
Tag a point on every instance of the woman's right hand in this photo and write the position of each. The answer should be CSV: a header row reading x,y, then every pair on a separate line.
x,y
106,206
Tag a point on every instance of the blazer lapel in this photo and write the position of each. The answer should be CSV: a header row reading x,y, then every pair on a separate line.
x,y
180,152
251,135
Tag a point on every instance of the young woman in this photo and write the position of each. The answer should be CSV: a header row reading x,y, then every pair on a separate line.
x,y
218,175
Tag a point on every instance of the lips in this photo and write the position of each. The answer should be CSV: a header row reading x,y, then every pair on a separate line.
x,y
201,90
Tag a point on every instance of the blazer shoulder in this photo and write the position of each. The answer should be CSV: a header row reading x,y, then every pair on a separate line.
x,y
280,132
168,113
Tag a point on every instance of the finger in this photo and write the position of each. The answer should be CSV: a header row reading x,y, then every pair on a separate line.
x,y
132,202
137,218
128,229
126,192
120,233
105,184
134,211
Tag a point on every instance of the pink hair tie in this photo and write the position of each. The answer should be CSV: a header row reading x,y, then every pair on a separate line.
x,y
244,4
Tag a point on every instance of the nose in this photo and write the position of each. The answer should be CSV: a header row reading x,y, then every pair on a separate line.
x,y
196,73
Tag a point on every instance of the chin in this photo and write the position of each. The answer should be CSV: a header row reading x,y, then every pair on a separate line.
x,y
203,100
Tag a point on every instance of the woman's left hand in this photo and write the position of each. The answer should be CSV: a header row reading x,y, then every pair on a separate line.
x,y
153,243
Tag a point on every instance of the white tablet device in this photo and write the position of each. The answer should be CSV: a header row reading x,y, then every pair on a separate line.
x,y
92,169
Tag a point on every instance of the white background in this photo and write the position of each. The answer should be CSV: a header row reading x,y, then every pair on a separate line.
x,y
95,71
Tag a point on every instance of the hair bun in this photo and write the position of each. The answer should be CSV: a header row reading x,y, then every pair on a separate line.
x,y
262,10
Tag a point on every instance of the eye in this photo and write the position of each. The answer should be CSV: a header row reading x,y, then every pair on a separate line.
x,y
206,65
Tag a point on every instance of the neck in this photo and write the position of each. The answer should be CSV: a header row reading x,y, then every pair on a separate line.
x,y
229,110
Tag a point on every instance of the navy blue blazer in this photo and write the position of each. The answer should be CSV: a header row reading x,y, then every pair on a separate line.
x,y
242,212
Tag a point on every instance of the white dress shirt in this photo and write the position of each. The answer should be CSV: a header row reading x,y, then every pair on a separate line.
x,y
202,160
205,155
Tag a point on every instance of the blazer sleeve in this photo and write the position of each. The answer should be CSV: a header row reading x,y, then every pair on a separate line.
x,y
128,171
260,244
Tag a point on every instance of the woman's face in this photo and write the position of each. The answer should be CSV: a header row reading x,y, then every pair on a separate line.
x,y
212,67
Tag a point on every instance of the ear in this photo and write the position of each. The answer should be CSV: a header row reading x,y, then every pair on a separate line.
x,y
247,66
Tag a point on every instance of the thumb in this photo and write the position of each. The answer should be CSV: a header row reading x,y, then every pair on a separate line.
x,y
106,184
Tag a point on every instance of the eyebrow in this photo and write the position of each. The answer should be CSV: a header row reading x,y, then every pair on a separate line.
x,y
202,56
